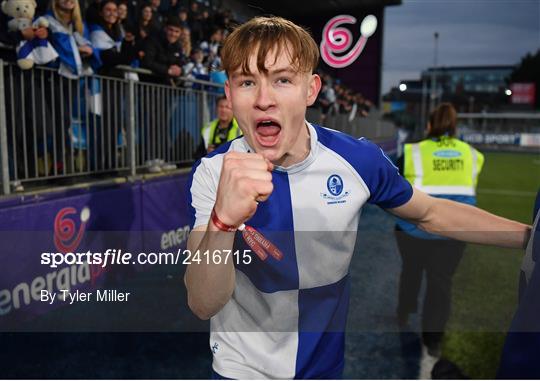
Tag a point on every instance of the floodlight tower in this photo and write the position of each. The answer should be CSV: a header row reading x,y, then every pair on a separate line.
x,y
433,97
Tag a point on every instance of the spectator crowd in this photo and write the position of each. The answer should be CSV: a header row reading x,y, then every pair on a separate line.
x,y
178,41
172,38
336,98
78,117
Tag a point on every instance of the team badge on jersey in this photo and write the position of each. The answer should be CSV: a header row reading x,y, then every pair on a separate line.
x,y
335,187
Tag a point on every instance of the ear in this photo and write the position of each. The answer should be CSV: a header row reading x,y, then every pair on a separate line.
x,y
314,86
228,91
4,7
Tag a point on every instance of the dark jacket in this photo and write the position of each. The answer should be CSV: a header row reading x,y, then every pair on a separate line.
x,y
159,55
8,40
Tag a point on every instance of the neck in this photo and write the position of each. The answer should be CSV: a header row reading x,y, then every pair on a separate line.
x,y
299,152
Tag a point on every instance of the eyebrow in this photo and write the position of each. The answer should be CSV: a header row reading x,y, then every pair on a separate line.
x,y
281,71
237,74
286,70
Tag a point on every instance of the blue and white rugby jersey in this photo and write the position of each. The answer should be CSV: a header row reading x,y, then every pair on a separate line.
x,y
286,319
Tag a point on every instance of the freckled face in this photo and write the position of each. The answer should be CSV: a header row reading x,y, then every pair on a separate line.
x,y
271,107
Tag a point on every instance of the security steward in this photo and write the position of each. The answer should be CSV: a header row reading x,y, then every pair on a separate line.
x,y
446,167
220,130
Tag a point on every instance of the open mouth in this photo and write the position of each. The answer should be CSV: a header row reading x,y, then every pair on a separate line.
x,y
267,132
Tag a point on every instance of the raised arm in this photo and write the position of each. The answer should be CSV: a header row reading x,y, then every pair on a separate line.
x,y
244,181
462,222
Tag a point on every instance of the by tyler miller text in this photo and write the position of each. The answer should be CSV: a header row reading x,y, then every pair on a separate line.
x,y
80,296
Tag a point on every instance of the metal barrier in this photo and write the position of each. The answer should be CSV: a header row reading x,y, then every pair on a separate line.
x,y
54,127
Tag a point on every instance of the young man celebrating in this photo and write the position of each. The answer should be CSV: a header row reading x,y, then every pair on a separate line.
x,y
303,187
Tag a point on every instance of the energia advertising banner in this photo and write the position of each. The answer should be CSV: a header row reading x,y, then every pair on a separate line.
x,y
47,239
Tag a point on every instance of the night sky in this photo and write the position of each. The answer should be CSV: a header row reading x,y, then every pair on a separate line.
x,y
471,32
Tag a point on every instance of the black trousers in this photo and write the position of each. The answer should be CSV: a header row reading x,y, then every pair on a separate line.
x,y
439,260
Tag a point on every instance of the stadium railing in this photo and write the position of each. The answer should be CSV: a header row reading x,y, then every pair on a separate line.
x,y
53,127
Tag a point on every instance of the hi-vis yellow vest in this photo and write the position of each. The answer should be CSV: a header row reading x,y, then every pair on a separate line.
x,y
443,167
209,130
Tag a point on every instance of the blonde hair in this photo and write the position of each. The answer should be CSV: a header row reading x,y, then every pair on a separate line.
x,y
186,43
76,17
263,34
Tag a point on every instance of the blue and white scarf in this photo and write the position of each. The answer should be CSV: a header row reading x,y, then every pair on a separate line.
x,y
67,42
38,50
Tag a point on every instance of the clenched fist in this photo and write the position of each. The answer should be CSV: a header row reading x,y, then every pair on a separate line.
x,y
246,179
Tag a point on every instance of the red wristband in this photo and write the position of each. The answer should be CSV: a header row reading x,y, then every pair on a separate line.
x,y
220,224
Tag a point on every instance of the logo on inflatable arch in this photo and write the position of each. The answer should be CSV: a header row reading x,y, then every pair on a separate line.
x,y
337,39
66,238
